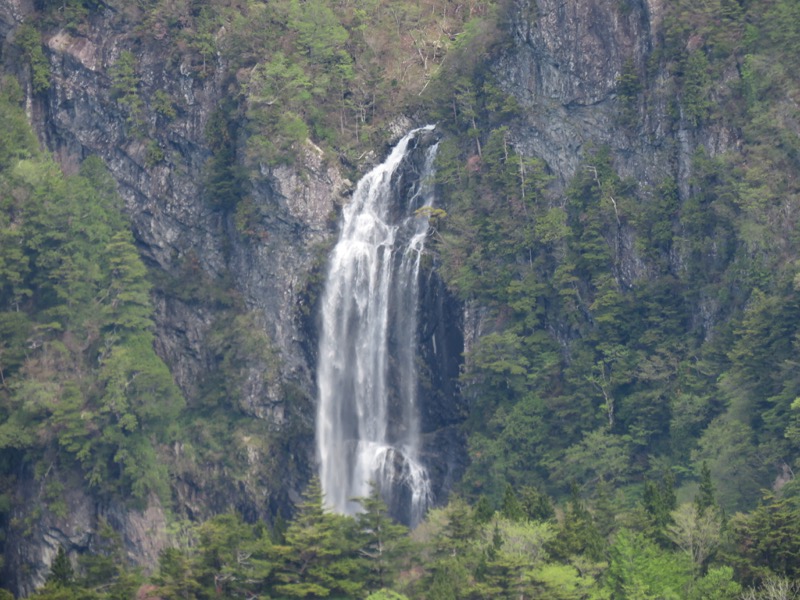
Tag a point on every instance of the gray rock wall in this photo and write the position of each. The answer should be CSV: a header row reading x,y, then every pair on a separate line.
x,y
562,65
39,527
180,234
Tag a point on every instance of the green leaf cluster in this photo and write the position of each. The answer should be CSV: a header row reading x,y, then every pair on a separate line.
x,y
29,39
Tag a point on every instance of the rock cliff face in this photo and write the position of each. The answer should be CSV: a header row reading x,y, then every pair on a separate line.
x,y
182,235
563,68
173,221
562,61
563,64
441,335
77,526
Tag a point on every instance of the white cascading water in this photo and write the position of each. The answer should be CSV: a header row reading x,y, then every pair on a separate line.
x,y
367,417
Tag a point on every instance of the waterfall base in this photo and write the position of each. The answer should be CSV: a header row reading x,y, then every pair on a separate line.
x,y
403,481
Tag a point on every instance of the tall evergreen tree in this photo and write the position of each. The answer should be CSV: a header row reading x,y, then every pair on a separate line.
x,y
61,571
319,558
577,533
511,507
705,495
382,542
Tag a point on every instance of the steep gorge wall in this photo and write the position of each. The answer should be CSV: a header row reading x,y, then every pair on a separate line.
x,y
563,63
188,243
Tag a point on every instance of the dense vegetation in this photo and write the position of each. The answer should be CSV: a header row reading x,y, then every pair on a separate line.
x,y
80,378
460,552
634,405
634,334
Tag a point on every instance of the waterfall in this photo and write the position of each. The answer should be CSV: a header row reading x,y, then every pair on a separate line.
x,y
367,415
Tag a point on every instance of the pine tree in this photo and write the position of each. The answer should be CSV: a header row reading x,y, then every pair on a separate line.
x,y
461,530
127,303
483,510
705,495
175,579
319,558
61,571
511,508
659,501
769,539
278,531
382,542
577,533
535,504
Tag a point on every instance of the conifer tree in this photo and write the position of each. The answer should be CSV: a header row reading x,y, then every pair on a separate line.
x,y
277,532
577,532
382,542
483,510
127,305
768,539
659,501
461,529
61,571
535,504
175,578
511,508
319,558
705,495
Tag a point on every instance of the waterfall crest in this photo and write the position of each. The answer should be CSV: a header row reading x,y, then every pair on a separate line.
x,y
367,416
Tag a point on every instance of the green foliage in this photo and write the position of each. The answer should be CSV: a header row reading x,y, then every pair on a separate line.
x,y
61,572
561,582
154,154
659,501
240,345
163,105
175,579
79,372
705,495
386,595
696,534
382,543
125,84
577,534
768,540
536,505
16,139
28,38
319,557
726,445
70,14
639,569
717,584
224,178
201,38
696,82
451,556
278,93
105,569
511,508
628,88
